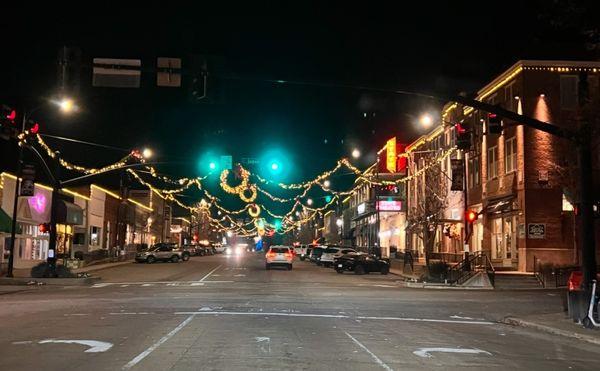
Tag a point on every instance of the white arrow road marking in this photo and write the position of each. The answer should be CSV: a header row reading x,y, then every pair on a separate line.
x,y
95,346
375,358
426,352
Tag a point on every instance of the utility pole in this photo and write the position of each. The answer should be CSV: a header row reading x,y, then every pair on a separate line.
x,y
56,186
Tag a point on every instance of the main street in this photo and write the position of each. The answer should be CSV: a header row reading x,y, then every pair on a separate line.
x,y
219,312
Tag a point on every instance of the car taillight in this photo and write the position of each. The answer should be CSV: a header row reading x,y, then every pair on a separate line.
x,y
270,254
289,255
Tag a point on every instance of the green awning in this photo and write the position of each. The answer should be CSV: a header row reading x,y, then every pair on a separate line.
x,y
5,221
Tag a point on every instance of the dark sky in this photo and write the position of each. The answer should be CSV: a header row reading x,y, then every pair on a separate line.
x,y
447,47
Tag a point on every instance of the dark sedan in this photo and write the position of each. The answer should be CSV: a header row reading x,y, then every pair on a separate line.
x,y
361,264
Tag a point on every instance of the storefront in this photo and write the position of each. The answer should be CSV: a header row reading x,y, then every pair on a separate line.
x,y
502,220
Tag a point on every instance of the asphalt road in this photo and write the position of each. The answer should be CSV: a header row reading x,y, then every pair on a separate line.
x,y
220,313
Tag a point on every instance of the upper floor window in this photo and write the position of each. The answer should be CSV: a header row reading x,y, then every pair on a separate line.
x,y
509,97
492,162
474,172
510,155
568,91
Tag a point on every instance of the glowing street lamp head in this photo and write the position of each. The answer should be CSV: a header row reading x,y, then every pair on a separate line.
x,y
339,222
326,183
274,166
309,201
356,153
212,165
426,120
147,153
66,105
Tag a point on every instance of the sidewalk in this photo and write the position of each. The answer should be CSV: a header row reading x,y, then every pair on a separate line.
x,y
557,324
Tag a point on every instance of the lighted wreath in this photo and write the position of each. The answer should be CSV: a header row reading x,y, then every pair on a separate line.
x,y
244,175
254,210
248,198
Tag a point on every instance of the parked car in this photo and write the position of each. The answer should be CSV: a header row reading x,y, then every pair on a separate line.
x,y
162,252
190,250
315,255
219,249
300,251
331,253
279,256
360,263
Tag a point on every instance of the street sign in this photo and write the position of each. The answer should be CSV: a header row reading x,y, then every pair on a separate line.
x,y
27,184
169,72
117,73
536,230
458,174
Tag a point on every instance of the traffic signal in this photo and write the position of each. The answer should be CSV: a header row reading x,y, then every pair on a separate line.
x,y
471,216
463,136
494,124
44,228
7,122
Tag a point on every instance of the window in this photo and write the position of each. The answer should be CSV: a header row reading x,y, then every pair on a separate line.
x,y
492,162
509,98
568,92
95,235
473,172
510,155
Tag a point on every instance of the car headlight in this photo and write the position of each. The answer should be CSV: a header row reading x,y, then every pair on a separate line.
x,y
228,251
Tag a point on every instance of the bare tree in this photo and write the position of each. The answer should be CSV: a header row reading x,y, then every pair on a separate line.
x,y
431,200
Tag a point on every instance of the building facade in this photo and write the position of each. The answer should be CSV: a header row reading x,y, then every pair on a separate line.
x,y
521,181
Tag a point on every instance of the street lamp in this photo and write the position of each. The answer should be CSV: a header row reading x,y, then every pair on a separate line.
x,y
426,120
326,183
339,222
67,105
356,153
212,165
147,153
309,201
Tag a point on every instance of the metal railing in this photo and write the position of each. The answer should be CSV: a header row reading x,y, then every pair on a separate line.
x,y
472,264
549,276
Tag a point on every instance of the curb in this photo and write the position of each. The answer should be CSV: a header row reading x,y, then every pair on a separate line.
x,y
551,330
433,286
93,268
24,281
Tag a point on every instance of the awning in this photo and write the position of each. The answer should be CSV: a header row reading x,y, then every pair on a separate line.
x,y
5,221
68,213
503,205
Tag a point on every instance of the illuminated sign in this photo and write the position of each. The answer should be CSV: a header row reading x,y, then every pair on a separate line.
x,y
361,208
38,203
389,205
176,229
391,155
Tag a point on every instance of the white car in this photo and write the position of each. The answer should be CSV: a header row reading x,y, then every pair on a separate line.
x,y
279,256
332,253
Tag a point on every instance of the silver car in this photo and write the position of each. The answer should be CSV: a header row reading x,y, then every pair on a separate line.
x,y
162,252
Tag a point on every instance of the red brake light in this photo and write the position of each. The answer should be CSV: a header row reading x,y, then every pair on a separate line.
x,y
270,254
35,129
12,115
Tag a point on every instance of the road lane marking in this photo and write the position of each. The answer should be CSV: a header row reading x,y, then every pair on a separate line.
x,y
315,315
94,345
153,347
197,284
22,342
375,358
426,352
209,273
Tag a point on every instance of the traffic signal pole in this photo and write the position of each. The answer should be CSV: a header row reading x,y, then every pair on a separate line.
x,y
13,228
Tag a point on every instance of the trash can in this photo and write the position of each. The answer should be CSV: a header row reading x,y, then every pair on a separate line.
x,y
576,297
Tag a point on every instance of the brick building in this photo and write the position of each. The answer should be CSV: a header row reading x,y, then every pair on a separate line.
x,y
521,181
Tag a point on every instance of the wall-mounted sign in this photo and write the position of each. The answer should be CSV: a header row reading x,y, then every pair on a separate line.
x,y
536,230
389,205
391,155
360,209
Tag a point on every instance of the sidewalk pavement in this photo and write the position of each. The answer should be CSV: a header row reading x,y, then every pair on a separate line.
x,y
557,324
26,272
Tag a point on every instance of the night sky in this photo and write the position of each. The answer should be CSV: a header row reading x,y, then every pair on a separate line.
x,y
452,47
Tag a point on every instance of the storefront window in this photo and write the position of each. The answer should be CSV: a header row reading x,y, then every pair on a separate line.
x,y
497,248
